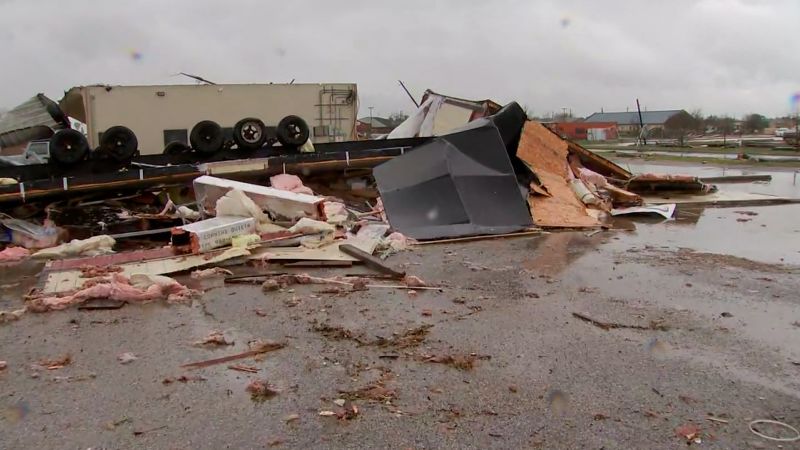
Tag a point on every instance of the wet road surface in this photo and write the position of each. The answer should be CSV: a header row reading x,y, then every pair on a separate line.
x,y
706,316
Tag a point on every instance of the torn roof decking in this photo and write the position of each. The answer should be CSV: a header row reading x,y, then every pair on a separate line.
x,y
546,153
34,119
44,180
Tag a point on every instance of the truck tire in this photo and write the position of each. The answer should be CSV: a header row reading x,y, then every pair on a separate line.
x,y
249,133
176,148
292,130
119,142
68,147
207,137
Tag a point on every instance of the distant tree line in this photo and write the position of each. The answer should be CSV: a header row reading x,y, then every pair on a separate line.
x,y
683,124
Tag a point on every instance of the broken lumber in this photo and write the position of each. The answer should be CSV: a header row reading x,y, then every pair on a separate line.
x,y
610,325
736,179
481,238
369,260
262,348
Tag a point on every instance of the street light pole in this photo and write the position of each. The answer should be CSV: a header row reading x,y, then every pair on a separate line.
x,y
369,135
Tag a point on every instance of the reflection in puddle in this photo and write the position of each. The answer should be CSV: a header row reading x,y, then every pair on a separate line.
x,y
554,252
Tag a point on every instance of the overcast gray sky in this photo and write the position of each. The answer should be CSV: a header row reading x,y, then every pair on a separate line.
x,y
722,56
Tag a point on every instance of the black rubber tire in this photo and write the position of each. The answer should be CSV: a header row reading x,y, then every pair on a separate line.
x,y
176,148
207,137
292,131
119,142
249,133
68,147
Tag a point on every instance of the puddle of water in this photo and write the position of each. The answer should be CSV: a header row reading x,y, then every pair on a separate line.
x,y
764,237
785,183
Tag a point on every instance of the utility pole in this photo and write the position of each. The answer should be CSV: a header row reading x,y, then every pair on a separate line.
x,y
642,136
369,134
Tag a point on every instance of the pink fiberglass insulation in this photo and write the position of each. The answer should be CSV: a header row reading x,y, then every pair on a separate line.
x,y
291,183
117,287
12,254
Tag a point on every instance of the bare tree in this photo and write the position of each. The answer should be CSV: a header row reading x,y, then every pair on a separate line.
x,y
754,123
680,125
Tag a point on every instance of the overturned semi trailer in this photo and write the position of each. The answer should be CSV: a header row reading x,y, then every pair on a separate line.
x,y
209,117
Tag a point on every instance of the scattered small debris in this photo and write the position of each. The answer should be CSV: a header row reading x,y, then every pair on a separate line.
x,y
513,388
687,431
99,271
275,442
599,416
742,219
260,313
558,401
747,213
3,365
54,364
291,418
270,285
327,413
261,390
126,358
247,369
210,273
654,325
183,379
141,432
717,419
339,402
338,333
459,361
359,284
73,378
412,293
215,338
413,281
726,314
409,338
111,425
427,312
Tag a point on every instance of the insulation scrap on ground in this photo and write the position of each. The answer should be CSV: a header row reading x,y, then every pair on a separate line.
x,y
138,288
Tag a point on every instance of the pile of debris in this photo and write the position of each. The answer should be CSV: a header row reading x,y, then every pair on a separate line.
x,y
499,173
235,223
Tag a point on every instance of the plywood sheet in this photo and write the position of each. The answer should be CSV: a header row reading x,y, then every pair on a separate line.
x,y
546,154
542,150
562,209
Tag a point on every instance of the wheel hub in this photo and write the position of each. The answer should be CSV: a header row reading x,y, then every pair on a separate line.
x,y
251,132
